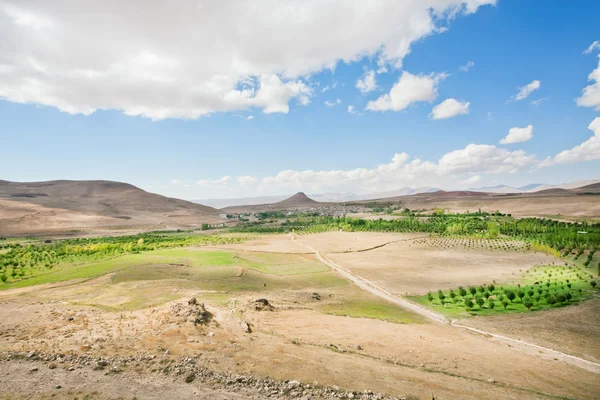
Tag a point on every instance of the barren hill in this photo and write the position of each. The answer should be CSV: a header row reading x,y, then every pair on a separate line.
x,y
58,205
579,202
298,199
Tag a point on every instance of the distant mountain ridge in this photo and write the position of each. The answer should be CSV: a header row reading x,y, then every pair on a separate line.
x,y
332,197
534,187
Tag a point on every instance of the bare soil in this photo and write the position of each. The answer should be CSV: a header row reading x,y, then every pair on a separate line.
x,y
406,267
296,340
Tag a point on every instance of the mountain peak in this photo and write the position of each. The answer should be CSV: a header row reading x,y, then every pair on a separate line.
x,y
298,198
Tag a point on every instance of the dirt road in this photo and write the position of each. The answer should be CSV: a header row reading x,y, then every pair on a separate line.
x,y
439,318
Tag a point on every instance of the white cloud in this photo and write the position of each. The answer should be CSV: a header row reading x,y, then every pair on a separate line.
x,y
517,135
207,182
246,180
472,180
250,117
467,66
456,167
539,101
409,89
593,47
332,103
450,108
368,83
588,150
187,58
525,91
590,95
351,109
176,182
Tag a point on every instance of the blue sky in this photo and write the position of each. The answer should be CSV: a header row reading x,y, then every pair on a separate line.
x,y
156,106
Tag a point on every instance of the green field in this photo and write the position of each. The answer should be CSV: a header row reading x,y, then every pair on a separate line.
x,y
363,305
542,287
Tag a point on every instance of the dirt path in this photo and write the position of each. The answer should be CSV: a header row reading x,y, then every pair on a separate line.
x,y
439,318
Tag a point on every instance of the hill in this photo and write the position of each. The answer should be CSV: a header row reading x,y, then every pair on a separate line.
x,y
299,199
556,202
30,207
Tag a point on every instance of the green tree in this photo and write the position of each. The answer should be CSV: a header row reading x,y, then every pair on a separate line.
x,y
510,295
528,304
504,304
479,301
462,291
441,296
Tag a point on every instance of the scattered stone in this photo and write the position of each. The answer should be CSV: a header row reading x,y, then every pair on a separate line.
x,y
491,380
262,305
186,369
293,384
246,327
315,296
358,347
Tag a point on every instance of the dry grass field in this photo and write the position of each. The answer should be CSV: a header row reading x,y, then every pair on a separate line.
x,y
319,328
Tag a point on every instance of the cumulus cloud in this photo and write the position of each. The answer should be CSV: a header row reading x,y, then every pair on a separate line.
x,y
517,135
368,83
459,166
408,90
207,182
588,150
590,95
246,180
467,66
593,47
332,103
471,180
187,58
525,91
450,108
250,117
351,109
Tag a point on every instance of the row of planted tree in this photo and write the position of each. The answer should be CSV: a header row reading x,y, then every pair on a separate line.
x,y
18,260
557,235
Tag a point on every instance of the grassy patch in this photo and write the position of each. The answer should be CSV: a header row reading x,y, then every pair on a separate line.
x,y
542,287
359,304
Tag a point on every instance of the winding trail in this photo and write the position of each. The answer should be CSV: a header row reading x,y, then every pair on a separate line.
x,y
442,319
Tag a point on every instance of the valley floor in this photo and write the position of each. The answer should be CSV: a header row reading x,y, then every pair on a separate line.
x,y
319,329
